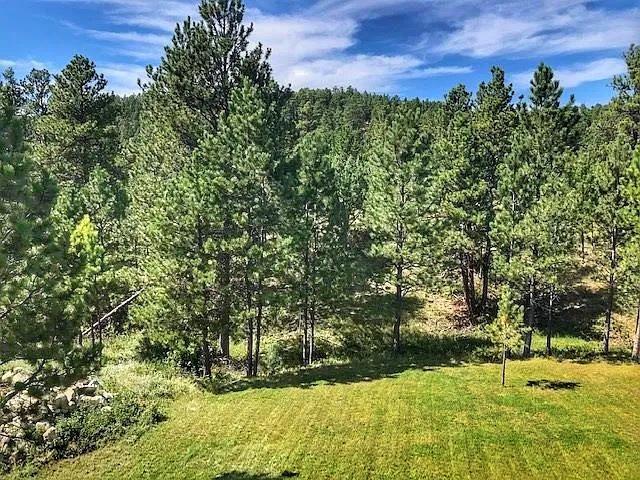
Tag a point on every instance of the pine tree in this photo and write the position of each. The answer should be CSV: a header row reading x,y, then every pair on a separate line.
x,y
608,155
533,227
34,326
77,134
188,96
507,329
397,207
631,250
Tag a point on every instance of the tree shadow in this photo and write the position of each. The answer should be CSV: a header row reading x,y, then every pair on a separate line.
x,y
254,476
553,384
582,309
355,371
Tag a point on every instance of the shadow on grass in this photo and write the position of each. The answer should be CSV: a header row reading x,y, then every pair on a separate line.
x,y
553,384
254,476
356,371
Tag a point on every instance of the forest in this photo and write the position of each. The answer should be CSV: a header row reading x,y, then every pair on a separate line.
x,y
236,228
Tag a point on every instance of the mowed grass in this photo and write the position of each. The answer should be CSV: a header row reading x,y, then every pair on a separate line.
x,y
394,420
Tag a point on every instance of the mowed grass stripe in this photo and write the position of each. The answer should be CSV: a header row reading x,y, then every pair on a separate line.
x,y
447,423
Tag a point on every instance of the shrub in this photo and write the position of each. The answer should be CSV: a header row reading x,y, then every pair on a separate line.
x,y
89,427
285,351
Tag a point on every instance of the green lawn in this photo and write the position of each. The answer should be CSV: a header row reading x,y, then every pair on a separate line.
x,y
394,421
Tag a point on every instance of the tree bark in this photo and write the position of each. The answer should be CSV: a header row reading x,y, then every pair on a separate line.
x,y
206,353
469,299
486,271
550,321
312,335
635,355
611,291
504,365
256,360
399,300
526,351
224,261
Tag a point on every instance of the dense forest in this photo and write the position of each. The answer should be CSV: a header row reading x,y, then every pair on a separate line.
x,y
218,207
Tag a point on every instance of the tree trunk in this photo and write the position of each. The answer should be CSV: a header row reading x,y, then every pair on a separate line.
x,y
526,351
469,299
399,299
504,365
582,242
256,360
250,346
550,321
486,271
635,354
312,334
611,291
305,334
250,322
206,353
224,261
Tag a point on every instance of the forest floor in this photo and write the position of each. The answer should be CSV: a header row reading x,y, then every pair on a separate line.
x,y
397,419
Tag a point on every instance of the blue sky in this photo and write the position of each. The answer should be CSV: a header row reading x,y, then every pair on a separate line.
x,y
405,47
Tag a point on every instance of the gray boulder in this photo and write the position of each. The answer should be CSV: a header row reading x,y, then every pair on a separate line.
x,y
50,435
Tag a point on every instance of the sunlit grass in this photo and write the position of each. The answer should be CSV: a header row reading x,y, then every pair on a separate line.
x,y
395,420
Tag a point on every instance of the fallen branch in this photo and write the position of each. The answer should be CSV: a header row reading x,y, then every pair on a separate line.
x,y
115,310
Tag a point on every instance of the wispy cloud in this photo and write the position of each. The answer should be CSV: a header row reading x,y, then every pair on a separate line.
x,y
21,66
578,74
308,49
317,43
533,29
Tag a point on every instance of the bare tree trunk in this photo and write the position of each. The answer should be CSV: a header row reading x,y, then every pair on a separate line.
x,y
399,305
206,352
635,355
224,261
504,365
256,360
526,352
550,321
250,322
582,242
305,334
611,291
467,289
312,336
486,272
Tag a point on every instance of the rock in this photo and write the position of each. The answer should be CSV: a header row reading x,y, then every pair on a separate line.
x,y
50,435
94,401
60,403
19,378
71,394
90,388
7,377
107,408
5,444
42,427
22,403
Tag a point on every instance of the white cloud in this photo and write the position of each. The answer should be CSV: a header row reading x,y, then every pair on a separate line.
x,y
309,49
21,66
122,77
537,29
575,75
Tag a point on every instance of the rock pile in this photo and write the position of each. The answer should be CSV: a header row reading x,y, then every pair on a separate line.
x,y
28,421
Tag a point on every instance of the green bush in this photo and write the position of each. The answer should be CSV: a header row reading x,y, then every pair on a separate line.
x,y
285,351
89,427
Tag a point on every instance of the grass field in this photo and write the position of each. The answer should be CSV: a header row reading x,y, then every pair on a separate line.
x,y
393,420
